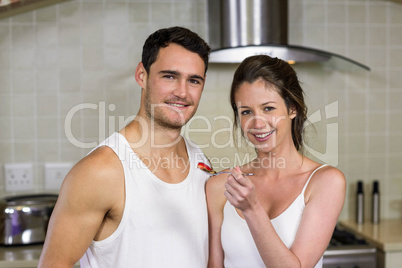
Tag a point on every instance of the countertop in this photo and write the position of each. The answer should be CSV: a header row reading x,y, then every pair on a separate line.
x,y
386,235
20,256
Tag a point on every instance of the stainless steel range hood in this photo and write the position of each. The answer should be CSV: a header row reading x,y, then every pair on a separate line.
x,y
242,28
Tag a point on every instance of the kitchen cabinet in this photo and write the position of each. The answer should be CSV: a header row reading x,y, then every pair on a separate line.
x,y
386,236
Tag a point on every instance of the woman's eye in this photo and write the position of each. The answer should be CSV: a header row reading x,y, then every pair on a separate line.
x,y
245,112
269,108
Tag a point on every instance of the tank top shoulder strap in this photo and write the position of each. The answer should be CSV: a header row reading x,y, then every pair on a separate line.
x,y
312,173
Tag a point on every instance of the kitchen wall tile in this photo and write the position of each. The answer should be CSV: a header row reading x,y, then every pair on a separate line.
x,y
182,12
314,13
395,100
395,79
116,12
395,13
70,11
394,122
377,80
46,58
46,35
357,13
92,12
377,12
23,58
93,81
5,37
47,104
139,12
24,128
336,35
92,34
46,14
23,36
47,81
25,151
115,38
377,168
377,59
5,126
69,34
23,82
25,17
378,145
71,153
7,152
5,85
70,81
23,104
161,13
395,145
70,58
70,102
48,127
48,151
336,13
93,58
395,56
377,35
377,123
394,167
394,33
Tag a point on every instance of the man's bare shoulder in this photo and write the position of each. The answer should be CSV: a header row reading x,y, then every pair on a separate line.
x,y
99,175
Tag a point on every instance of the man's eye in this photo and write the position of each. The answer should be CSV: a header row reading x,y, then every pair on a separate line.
x,y
168,76
194,81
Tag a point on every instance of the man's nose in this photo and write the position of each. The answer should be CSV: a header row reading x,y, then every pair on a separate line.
x,y
181,89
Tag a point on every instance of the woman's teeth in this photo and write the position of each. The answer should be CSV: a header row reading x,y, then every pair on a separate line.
x,y
264,135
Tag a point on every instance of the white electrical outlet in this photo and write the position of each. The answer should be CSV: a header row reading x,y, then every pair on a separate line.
x,y
18,177
55,174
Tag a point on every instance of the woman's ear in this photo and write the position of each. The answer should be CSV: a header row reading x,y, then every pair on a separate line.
x,y
292,113
141,75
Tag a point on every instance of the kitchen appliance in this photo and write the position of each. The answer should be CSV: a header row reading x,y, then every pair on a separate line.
x,y
240,28
345,250
25,218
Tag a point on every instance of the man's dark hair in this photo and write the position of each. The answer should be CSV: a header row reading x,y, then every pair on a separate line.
x,y
177,35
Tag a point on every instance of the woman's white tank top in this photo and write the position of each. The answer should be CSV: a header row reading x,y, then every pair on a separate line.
x,y
237,241
163,224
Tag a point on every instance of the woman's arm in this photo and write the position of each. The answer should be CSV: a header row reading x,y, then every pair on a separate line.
x,y
215,202
325,197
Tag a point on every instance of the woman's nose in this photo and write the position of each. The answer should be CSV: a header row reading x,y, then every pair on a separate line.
x,y
258,122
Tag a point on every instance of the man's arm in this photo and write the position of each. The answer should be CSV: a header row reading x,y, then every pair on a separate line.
x,y
93,188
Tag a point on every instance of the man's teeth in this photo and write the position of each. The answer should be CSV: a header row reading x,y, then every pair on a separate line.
x,y
177,105
264,135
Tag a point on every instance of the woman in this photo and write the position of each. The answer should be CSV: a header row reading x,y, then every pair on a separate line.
x,y
283,215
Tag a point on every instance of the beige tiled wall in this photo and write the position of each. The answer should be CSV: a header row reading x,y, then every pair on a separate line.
x,y
85,52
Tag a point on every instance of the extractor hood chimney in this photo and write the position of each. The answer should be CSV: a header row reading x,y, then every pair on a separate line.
x,y
242,28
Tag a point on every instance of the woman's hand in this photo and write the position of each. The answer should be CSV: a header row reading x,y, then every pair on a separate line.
x,y
240,191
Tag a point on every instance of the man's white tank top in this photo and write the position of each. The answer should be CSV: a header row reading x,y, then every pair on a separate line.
x,y
237,241
163,224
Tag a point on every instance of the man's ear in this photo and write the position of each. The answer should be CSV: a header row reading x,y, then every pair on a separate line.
x,y
292,113
141,75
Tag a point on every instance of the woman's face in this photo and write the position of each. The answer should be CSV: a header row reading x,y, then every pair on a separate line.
x,y
264,117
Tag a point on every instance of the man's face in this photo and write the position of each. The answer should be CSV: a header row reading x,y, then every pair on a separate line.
x,y
173,87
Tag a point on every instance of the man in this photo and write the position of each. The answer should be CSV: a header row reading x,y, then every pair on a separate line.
x,y
138,200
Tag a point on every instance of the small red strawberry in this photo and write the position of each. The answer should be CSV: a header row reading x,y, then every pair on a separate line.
x,y
204,166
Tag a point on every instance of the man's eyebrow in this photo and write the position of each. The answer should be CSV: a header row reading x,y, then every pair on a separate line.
x,y
194,76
